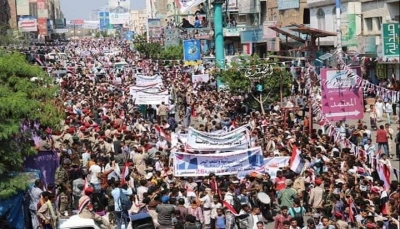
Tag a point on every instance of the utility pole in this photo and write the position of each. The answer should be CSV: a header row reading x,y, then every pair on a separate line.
x,y
338,30
219,34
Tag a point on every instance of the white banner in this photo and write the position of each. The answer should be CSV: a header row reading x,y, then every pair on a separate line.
x,y
142,80
273,164
240,162
186,5
22,7
201,141
200,78
146,98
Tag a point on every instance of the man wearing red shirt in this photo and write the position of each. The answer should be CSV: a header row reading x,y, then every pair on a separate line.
x,y
279,181
280,218
382,140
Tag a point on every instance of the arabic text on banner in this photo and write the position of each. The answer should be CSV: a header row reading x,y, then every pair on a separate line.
x,y
142,80
202,141
240,162
200,78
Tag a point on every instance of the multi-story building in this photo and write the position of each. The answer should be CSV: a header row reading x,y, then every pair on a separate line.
x,y
138,21
362,25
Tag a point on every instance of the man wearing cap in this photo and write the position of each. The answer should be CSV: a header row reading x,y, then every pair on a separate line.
x,y
340,223
316,195
165,211
62,181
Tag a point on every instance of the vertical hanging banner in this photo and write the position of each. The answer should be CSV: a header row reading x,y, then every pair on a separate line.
x,y
349,33
119,11
42,11
22,7
42,24
104,19
191,50
342,98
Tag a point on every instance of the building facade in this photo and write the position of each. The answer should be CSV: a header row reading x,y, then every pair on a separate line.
x,y
138,21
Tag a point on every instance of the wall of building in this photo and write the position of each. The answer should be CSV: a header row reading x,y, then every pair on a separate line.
x,y
138,21
13,13
288,16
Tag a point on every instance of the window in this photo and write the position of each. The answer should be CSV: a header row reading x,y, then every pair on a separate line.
x,y
306,16
378,23
368,24
321,19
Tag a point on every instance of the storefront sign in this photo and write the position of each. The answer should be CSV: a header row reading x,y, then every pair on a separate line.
x,y
232,32
251,36
27,25
288,4
391,39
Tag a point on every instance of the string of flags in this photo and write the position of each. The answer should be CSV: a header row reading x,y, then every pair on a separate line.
x,y
331,129
365,84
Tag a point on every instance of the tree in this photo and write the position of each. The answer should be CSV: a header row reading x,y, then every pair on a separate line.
x,y
172,53
26,94
150,50
263,79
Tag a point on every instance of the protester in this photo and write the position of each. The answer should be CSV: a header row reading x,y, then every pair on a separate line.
x,y
129,146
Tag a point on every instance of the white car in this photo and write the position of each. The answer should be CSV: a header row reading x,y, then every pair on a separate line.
x,y
76,222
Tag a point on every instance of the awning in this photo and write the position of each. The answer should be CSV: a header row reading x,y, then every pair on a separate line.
x,y
312,31
285,33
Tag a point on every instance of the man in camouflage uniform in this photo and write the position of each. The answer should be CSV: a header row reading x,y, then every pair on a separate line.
x,y
64,185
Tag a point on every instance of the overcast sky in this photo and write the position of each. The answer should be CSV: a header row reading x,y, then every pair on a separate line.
x,y
80,9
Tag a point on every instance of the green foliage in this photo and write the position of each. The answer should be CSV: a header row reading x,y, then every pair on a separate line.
x,y
26,92
172,53
248,71
150,50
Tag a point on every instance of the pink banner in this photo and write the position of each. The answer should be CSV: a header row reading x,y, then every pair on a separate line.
x,y
342,98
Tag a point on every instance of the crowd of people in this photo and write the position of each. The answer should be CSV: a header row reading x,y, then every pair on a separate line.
x,y
115,163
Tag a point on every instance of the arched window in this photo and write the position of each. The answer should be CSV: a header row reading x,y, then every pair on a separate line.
x,y
321,19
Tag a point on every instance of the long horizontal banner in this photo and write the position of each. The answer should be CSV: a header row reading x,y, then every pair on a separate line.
x,y
201,141
146,80
146,98
240,162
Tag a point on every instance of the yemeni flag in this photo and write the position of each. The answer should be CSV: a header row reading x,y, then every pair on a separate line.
x,y
230,208
85,186
125,172
384,174
161,133
296,162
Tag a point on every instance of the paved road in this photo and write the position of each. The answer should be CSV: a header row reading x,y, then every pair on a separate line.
x,y
395,162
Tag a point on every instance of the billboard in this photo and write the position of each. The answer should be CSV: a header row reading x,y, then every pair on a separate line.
x,y
191,50
288,4
154,28
342,99
27,25
42,11
22,7
119,11
104,18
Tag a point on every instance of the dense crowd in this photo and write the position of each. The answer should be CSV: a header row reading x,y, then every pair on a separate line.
x,y
115,155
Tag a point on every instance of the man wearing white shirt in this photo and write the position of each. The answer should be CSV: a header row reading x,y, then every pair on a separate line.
x,y
141,190
34,194
369,149
95,171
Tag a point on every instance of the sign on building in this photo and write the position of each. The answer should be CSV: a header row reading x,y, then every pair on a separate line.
x,y
391,39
